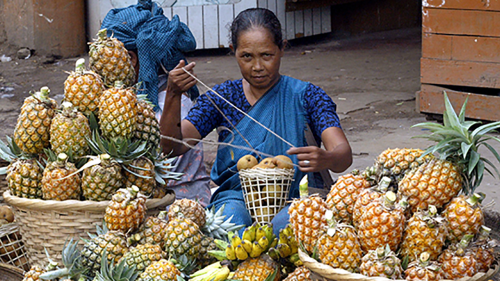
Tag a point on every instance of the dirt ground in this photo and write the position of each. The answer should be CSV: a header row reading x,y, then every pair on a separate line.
x,y
373,79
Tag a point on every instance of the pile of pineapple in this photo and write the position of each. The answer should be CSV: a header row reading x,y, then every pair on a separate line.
x,y
102,137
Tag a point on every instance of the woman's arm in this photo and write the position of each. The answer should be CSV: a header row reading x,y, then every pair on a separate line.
x,y
170,122
337,155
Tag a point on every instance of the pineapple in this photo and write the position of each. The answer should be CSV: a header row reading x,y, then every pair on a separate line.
x,y
34,273
141,256
394,163
339,246
83,88
301,273
24,173
424,269
118,112
307,217
343,194
61,180
368,195
382,223
457,261
110,59
484,247
183,237
257,269
141,173
460,167
113,243
101,180
148,128
381,262
425,231
189,209
69,132
207,244
31,133
126,211
152,231
464,216
162,270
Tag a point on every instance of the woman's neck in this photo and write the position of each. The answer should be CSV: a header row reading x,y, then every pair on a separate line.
x,y
253,94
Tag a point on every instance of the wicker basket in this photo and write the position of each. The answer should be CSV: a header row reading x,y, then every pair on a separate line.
x,y
323,272
10,273
12,250
47,224
265,191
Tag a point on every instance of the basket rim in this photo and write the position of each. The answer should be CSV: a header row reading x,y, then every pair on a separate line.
x,y
329,272
11,269
77,205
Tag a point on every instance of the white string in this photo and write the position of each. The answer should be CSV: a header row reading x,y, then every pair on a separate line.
x,y
241,111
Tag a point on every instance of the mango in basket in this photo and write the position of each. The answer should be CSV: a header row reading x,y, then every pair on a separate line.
x,y
246,162
267,163
283,162
6,213
254,198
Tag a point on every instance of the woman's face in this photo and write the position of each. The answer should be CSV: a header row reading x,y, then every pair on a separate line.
x,y
259,58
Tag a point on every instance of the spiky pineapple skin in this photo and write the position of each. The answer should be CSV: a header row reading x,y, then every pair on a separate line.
x,y
183,237
57,184
342,250
100,182
256,269
458,264
117,112
204,258
388,266
148,128
144,167
32,129
115,244
301,273
33,274
396,162
109,58
69,132
423,235
152,231
162,270
126,211
418,272
365,197
380,225
462,218
189,209
83,90
307,220
24,178
343,195
433,183
141,256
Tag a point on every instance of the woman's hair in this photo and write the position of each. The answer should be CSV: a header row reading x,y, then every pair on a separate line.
x,y
253,18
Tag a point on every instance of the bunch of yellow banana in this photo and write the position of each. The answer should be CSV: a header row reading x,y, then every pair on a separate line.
x,y
287,247
255,240
213,272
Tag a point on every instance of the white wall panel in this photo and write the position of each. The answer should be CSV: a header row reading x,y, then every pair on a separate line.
x,y
195,24
211,26
226,15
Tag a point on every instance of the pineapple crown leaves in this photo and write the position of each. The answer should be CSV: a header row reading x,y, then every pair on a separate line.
x,y
217,226
456,142
164,166
10,151
121,272
333,224
121,149
71,259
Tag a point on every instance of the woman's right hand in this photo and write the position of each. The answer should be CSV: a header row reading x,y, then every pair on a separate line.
x,y
178,80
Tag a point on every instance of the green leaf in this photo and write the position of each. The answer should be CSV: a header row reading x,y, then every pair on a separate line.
x,y
473,161
485,129
487,161
465,149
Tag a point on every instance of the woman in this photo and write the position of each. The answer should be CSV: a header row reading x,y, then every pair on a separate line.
x,y
283,104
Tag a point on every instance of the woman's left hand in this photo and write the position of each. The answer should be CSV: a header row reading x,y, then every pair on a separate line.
x,y
311,158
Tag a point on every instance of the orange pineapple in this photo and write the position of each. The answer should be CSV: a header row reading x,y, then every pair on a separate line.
x,y
457,261
60,179
424,269
464,216
381,262
126,210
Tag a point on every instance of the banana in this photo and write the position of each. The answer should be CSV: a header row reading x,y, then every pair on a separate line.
x,y
230,253
283,238
222,274
284,250
220,255
259,233
294,259
273,253
294,245
235,240
274,242
210,276
241,254
263,242
221,244
206,269
247,245
288,230
256,250
268,229
249,233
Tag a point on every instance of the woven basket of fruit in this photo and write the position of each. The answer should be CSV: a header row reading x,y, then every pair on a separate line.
x,y
265,191
12,250
3,179
10,273
46,224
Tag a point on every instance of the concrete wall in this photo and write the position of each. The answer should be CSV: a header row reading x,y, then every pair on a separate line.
x,y
50,27
375,15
